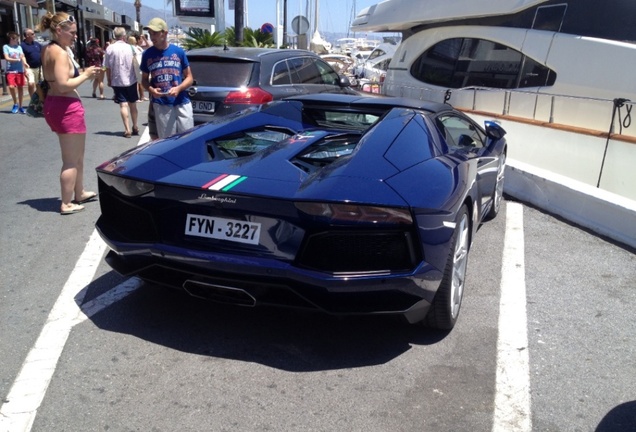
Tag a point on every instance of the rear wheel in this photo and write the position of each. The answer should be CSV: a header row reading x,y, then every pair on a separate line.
x,y
448,300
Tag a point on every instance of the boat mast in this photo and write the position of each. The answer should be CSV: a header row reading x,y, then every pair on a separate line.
x,y
316,18
351,18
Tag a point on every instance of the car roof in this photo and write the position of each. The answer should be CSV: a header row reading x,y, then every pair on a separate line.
x,y
371,101
248,53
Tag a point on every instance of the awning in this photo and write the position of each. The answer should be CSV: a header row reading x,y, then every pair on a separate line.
x,y
94,11
32,3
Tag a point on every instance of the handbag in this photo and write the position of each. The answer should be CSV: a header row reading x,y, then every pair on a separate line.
x,y
36,104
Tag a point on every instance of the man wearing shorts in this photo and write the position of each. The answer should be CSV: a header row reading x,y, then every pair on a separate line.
x,y
121,77
32,49
167,76
16,65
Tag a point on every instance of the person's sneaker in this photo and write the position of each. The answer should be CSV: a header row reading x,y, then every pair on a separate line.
x,y
14,110
22,110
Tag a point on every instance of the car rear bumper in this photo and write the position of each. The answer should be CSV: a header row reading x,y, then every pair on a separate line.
x,y
250,281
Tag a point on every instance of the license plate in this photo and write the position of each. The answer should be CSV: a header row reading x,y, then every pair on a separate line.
x,y
223,229
203,106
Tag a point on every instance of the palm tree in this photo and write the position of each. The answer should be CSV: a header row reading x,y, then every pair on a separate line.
x,y
256,38
200,38
251,38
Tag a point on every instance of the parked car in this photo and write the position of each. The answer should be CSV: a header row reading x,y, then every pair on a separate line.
x,y
338,203
230,79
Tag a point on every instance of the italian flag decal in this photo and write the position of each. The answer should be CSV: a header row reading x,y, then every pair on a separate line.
x,y
224,182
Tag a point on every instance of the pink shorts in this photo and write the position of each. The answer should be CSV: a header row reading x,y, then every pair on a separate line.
x,y
15,79
64,115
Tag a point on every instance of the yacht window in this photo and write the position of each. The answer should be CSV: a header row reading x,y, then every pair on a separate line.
x,y
376,53
549,18
467,62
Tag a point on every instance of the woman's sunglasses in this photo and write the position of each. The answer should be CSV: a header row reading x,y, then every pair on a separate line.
x,y
70,19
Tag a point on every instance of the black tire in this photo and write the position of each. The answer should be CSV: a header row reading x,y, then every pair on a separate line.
x,y
497,194
448,299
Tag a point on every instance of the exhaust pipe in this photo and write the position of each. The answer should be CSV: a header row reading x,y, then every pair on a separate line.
x,y
219,293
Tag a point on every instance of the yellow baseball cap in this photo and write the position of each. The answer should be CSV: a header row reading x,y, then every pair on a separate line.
x,y
157,24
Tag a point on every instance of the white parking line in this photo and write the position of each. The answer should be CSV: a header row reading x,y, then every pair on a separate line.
x,y
512,393
20,408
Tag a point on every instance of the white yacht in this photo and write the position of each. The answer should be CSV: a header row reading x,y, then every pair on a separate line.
x,y
577,48
557,74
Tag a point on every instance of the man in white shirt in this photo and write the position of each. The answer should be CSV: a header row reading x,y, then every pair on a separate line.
x,y
121,77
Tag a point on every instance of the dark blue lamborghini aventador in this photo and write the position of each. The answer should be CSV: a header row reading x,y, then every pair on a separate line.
x,y
345,204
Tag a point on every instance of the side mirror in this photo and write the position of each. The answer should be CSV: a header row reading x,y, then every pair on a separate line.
x,y
493,130
344,81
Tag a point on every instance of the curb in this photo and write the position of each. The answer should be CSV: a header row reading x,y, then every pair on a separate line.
x,y
602,212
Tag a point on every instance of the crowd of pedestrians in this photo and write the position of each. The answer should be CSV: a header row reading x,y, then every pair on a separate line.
x,y
132,66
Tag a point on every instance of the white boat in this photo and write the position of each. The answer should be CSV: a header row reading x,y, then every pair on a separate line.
x,y
405,15
348,45
556,74
377,63
576,48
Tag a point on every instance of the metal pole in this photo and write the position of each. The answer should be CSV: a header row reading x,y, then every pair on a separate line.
x,y
239,20
285,22
16,22
81,30
50,6
138,11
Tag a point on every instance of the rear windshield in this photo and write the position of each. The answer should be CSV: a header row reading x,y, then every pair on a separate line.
x,y
347,120
221,73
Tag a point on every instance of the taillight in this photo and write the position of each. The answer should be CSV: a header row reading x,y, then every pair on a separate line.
x,y
248,96
344,212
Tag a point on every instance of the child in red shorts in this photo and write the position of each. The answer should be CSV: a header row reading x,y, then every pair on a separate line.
x,y
16,65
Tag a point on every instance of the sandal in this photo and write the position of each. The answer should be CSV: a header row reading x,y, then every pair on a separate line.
x,y
127,135
135,131
75,208
90,196
94,95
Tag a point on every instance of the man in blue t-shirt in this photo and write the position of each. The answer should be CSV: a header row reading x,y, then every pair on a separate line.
x,y
167,76
31,49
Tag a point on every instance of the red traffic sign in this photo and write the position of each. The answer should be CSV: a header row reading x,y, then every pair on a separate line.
x,y
267,28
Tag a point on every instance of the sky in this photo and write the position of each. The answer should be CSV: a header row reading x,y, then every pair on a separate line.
x,y
335,15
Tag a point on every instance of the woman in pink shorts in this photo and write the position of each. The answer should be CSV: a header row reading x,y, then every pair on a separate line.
x,y
63,108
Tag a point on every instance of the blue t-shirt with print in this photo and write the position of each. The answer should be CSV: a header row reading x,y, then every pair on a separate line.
x,y
14,52
165,69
